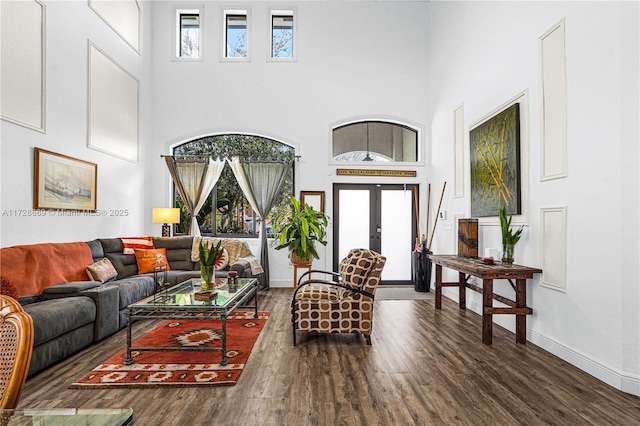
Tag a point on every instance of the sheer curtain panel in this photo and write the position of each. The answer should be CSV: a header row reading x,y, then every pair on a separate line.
x,y
194,178
261,182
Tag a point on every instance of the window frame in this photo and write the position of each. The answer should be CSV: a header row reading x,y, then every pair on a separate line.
x,y
213,195
294,46
177,34
223,52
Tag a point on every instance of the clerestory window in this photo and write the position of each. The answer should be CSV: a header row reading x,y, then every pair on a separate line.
x,y
282,34
188,33
236,34
227,211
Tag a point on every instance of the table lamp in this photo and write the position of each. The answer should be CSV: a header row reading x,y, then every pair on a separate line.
x,y
165,215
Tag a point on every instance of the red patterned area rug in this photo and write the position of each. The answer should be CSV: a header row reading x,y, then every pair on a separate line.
x,y
196,368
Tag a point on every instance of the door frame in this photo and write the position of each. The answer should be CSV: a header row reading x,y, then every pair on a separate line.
x,y
374,213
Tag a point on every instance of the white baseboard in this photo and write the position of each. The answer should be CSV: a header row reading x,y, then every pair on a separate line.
x,y
281,283
626,382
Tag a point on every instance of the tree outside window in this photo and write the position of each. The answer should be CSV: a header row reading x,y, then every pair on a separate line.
x,y
232,214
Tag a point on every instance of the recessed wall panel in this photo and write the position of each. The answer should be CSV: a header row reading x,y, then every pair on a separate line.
x,y
122,16
22,63
113,107
554,104
554,247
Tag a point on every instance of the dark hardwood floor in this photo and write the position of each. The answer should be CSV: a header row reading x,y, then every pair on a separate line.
x,y
425,367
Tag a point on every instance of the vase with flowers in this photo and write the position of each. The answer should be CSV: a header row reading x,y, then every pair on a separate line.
x,y
509,236
209,256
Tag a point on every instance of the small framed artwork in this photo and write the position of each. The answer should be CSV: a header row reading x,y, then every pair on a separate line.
x,y
63,183
314,198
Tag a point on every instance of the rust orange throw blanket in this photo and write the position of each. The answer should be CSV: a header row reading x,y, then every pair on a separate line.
x,y
32,268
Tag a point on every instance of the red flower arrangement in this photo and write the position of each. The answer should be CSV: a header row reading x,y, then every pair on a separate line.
x,y
8,289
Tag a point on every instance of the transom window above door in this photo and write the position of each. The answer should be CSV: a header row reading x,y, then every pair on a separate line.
x,y
374,141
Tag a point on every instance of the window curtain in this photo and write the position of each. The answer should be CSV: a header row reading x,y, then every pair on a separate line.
x,y
194,178
261,182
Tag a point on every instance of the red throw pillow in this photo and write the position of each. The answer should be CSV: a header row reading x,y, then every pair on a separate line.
x,y
131,243
148,260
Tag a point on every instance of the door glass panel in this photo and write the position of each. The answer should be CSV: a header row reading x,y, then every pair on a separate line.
x,y
354,220
395,237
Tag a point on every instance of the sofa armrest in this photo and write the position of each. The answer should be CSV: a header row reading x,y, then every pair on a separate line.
x,y
242,267
70,289
107,299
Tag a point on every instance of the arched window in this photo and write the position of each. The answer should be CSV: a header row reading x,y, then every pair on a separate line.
x,y
227,212
374,141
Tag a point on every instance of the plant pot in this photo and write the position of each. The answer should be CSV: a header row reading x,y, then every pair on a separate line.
x,y
297,260
507,254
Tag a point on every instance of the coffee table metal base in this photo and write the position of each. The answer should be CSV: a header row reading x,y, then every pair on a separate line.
x,y
170,312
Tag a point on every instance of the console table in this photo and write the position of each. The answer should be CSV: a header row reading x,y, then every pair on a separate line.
x,y
468,267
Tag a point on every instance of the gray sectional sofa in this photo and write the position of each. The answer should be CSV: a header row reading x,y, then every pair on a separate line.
x,y
72,315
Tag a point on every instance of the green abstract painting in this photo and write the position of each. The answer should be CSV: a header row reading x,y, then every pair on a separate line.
x,y
495,164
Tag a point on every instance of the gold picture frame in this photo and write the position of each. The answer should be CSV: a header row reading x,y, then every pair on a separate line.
x,y
63,183
314,198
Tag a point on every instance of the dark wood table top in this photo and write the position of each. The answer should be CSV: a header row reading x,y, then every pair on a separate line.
x,y
475,267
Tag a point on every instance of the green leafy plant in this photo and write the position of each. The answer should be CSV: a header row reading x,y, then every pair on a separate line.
x,y
299,228
508,235
208,258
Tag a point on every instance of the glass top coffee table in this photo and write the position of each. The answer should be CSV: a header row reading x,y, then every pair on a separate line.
x,y
181,302
66,416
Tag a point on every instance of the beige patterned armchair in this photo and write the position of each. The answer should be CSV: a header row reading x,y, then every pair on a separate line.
x,y
344,302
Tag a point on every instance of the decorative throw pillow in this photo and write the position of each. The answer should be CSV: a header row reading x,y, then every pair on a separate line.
x,y
223,261
132,243
102,271
149,259
8,289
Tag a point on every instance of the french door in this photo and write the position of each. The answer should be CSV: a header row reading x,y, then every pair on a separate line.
x,y
378,217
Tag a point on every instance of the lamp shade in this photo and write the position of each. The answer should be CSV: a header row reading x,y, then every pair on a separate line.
x,y
165,215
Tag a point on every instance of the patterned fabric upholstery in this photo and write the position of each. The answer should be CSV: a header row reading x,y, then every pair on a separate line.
x,y
330,307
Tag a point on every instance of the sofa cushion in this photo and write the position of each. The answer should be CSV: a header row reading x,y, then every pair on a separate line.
x,y
148,260
133,289
97,252
178,251
125,264
71,288
53,318
102,271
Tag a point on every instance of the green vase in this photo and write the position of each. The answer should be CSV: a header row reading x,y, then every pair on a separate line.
x,y
507,254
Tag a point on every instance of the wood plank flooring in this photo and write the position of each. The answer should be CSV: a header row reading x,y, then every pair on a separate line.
x,y
425,367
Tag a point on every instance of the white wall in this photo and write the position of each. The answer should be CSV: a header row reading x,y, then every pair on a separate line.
x,y
355,59
485,53
121,184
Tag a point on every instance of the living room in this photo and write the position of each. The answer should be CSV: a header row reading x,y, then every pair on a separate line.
x,y
409,62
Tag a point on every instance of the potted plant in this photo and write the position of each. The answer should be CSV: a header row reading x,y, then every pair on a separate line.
x,y
509,237
300,227
209,256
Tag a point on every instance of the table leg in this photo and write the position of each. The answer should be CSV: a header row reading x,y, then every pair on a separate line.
x,y
129,359
462,290
225,360
487,318
438,287
255,297
521,319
